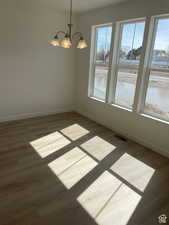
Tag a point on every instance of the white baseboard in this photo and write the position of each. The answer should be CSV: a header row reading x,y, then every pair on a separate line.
x,y
140,141
35,114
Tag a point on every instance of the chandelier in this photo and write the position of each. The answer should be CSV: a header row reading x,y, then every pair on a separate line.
x,y
67,41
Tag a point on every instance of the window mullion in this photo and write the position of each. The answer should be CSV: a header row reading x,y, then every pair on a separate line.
x,y
115,53
144,69
110,66
149,56
92,62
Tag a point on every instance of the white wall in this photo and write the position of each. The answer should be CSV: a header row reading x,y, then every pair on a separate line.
x,y
38,79
35,78
146,131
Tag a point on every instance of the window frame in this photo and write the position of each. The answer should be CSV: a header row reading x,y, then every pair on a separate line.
x,y
144,66
151,36
93,51
115,65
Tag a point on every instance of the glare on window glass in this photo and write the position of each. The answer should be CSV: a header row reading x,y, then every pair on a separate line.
x,y
161,48
157,99
103,42
128,62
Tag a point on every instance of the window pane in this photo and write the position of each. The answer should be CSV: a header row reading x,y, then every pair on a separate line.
x,y
161,47
128,62
100,81
125,89
131,43
157,99
103,38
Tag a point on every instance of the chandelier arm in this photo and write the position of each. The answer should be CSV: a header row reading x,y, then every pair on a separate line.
x,y
60,32
76,34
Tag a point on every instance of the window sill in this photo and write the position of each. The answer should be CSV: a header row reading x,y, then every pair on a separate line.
x,y
130,110
96,99
121,107
110,104
154,118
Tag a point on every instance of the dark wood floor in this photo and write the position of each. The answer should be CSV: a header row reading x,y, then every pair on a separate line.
x,y
67,170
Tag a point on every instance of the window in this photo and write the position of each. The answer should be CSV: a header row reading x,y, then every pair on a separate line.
x,y
128,61
125,72
101,61
157,98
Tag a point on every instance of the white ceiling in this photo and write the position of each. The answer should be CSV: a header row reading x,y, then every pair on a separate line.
x,y
79,5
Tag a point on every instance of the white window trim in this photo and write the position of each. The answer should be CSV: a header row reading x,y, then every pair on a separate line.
x,y
92,58
155,118
146,65
93,62
140,105
113,77
110,65
115,64
143,68
142,79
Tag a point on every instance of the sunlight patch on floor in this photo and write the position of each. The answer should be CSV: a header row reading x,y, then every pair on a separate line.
x,y
65,161
134,171
109,201
72,167
95,197
74,131
98,147
120,208
49,144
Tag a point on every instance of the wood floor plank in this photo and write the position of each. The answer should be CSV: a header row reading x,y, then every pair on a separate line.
x,y
66,169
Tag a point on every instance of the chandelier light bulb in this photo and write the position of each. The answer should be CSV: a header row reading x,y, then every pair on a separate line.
x,y
55,42
66,43
82,44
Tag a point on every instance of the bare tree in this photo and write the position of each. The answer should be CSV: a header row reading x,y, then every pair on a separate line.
x,y
134,53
